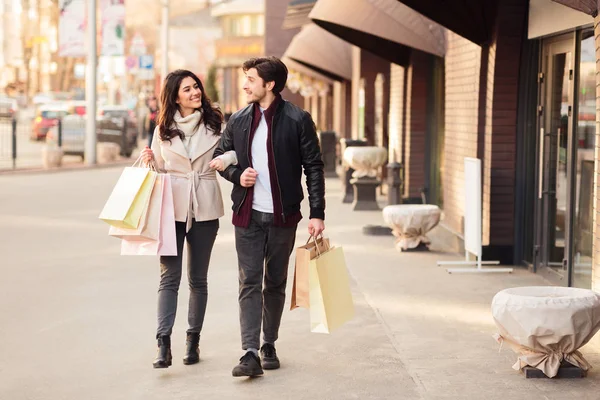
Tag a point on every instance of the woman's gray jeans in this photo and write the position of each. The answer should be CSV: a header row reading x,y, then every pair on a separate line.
x,y
200,240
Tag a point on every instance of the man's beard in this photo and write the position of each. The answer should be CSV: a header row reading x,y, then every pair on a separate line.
x,y
257,99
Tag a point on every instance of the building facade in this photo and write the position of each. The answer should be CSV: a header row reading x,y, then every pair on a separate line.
x,y
243,29
511,83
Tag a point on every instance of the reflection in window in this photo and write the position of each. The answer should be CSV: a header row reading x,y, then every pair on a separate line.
x,y
584,164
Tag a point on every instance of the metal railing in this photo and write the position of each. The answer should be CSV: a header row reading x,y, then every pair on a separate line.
x,y
8,142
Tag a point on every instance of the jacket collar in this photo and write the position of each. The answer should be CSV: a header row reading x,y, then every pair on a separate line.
x,y
273,108
205,142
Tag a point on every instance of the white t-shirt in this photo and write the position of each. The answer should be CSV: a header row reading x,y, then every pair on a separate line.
x,y
263,198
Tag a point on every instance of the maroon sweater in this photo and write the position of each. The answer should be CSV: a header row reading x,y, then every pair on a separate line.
x,y
242,219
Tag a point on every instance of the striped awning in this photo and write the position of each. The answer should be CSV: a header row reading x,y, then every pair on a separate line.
x,y
297,13
387,28
321,51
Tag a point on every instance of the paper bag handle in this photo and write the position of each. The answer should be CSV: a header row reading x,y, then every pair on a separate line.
x,y
315,240
138,163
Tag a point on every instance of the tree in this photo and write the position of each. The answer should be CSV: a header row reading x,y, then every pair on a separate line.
x,y
211,84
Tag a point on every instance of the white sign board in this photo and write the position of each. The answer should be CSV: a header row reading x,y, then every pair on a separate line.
x,y
113,27
473,206
71,28
473,223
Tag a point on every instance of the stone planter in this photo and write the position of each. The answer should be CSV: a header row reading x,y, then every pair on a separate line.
x,y
365,161
107,152
410,224
546,325
346,171
52,156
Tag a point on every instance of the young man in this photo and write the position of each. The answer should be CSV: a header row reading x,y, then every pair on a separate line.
x,y
273,140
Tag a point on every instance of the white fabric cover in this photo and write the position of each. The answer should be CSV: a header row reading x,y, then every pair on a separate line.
x,y
545,325
411,222
365,160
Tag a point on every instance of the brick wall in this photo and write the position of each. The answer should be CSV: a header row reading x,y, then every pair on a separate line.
x,y
396,123
501,125
419,72
462,64
370,66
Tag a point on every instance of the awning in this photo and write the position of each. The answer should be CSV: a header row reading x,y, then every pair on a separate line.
x,y
304,70
589,7
325,53
297,13
383,27
547,17
471,19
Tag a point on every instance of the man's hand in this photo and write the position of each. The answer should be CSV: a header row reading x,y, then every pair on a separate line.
x,y
316,226
248,178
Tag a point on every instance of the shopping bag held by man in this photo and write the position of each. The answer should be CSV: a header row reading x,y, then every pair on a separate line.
x,y
330,297
304,254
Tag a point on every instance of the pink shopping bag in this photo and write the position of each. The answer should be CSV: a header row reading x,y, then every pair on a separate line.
x,y
166,245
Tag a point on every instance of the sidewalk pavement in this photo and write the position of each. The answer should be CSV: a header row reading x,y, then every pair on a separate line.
x,y
79,320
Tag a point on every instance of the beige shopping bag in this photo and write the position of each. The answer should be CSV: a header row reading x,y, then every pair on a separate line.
x,y
150,220
129,198
304,254
330,297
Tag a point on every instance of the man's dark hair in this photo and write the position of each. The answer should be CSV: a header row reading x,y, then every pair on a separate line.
x,y
270,69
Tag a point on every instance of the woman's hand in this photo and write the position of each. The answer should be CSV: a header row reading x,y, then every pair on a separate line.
x,y
217,164
147,155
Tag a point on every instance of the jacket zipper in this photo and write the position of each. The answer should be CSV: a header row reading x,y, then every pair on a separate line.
x,y
274,162
250,163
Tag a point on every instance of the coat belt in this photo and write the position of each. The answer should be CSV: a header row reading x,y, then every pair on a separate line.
x,y
193,178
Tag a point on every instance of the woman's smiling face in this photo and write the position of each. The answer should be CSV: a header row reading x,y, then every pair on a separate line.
x,y
189,96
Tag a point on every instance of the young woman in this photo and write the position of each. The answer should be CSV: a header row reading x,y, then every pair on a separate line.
x,y
187,133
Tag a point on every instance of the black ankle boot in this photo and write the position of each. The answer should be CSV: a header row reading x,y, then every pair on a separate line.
x,y
192,352
164,359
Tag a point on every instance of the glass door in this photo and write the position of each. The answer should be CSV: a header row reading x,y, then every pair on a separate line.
x,y
583,155
556,137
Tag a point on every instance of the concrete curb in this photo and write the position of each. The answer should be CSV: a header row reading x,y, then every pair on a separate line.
x,y
67,168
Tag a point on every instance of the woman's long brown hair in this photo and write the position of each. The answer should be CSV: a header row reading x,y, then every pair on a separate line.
x,y
212,116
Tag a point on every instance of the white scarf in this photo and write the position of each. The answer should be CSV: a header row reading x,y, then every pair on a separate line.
x,y
187,125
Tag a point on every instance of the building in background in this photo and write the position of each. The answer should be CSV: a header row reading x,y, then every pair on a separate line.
x,y
11,55
243,28
193,38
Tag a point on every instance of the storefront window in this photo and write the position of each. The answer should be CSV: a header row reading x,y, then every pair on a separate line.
x,y
243,25
586,127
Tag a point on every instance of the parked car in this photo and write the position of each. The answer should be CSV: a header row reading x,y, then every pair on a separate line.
x,y
117,130
111,130
73,135
9,108
46,117
77,107
119,112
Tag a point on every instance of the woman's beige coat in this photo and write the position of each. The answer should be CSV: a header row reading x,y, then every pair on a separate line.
x,y
196,191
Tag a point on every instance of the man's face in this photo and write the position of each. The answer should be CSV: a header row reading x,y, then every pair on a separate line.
x,y
256,89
